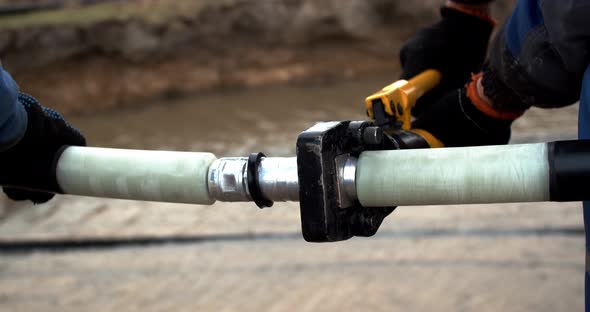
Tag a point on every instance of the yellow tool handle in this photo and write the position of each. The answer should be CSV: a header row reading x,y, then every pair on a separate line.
x,y
421,83
399,98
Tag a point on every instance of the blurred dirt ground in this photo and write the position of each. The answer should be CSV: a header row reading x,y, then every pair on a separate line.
x,y
511,257
120,55
235,257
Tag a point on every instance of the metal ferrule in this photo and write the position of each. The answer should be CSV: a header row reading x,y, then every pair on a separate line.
x,y
278,179
227,179
346,180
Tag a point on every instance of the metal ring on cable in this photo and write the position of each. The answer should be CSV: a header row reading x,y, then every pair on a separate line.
x,y
253,185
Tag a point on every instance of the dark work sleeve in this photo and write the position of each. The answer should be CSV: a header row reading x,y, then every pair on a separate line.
x,y
13,117
540,54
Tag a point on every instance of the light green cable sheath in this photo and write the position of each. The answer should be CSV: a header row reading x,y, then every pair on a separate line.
x,y
179,177
486,174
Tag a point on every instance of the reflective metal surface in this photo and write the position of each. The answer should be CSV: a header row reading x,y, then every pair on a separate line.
x,y
278,179
227,179
346,165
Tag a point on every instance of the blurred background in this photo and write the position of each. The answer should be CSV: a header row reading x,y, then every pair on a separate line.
x,y
234,77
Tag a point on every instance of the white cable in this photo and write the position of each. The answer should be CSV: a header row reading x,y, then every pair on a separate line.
x,y
179,177
486,174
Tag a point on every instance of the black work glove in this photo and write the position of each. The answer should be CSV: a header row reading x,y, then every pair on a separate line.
x,y
466,117
29,166
456,46
463,124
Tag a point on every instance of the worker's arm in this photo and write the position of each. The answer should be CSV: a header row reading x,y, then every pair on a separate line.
x,y
31,139
540,55
13,117
538,59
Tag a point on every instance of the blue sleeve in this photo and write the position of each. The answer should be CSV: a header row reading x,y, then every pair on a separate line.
x,y
542,51
584,134
13,117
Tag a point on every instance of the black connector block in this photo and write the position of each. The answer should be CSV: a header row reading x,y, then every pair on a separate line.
x,y
323,218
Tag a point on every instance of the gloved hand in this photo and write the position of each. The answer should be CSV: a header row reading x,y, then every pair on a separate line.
x,y
29,165
464,118
456,46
